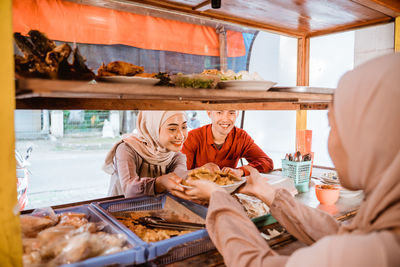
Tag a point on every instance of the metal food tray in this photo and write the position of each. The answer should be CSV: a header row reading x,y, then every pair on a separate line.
x,y
134,255
168,250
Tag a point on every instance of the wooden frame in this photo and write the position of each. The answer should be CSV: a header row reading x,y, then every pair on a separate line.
x,y
31,95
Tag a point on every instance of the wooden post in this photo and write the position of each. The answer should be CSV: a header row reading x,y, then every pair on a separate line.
x,y
10,230
303,66
222,48
397,35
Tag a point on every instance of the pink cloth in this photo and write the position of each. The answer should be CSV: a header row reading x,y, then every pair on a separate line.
x,y
367,113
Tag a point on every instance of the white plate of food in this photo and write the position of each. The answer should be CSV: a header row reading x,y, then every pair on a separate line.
x,y
246,85
225,180
128,79
230,188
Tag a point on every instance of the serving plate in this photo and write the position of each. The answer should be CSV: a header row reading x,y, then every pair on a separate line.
x,y
246,85
230,188
128,79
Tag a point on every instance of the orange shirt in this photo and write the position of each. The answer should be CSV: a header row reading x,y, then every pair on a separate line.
x,y
200,149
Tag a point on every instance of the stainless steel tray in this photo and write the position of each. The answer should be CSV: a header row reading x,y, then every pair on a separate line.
x,y
304,89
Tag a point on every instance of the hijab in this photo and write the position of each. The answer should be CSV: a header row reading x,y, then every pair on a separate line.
x,y
146,142
367,112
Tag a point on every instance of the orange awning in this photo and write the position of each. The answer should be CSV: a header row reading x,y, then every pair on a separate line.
x,y
72,22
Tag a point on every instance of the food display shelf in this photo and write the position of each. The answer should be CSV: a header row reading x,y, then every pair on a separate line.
x,y
56,94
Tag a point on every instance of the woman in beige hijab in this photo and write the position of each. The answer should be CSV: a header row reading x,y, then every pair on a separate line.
x,y
149,162
364,144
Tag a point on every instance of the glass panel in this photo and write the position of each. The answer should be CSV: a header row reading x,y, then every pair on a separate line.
x,y
330,57
274,57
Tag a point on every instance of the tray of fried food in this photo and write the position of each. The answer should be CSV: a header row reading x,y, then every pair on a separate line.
x,y
70,235
132,220
226,180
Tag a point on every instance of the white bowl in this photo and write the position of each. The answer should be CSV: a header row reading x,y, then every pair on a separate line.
x,y
230,188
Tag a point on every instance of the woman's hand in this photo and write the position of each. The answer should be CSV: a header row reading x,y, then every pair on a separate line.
x,y
211,166
172,183
257,186
202,189
254,180
235,172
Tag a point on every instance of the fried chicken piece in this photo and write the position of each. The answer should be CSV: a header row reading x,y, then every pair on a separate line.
x,y
32,259
77,71
211,72
23,64
52,240
80,67
32,225
42,44
119,68
86,245
30,244
77,249
58,54
42,58
25,45
102,71
73,219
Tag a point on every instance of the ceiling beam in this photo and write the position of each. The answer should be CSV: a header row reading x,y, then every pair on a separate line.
x,y
351,27
387,7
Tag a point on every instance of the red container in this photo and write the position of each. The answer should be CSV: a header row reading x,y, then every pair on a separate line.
x,y
304,141
327,194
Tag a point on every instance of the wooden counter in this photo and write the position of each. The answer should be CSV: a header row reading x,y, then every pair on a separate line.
x,y
284,244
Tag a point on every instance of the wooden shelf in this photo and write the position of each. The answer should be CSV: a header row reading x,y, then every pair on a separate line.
x,y
55,94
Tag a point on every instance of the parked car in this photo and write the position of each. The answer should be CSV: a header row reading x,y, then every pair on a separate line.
x,y
22,177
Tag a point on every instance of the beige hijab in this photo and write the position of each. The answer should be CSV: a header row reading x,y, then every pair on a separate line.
x,y
147,140
367,112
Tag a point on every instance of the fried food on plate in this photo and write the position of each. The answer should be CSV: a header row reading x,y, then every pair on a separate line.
x,y
119,68
218,177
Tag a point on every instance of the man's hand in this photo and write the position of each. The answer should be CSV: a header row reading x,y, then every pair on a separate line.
x,y
235,172
212,167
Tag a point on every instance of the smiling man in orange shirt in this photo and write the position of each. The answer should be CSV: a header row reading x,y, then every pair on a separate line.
x,y
221,144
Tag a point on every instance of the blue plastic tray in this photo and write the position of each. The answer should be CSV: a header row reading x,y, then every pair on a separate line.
x,y
174,248
134,255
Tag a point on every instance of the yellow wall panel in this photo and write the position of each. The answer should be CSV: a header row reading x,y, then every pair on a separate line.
x,y
397,35
10,231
